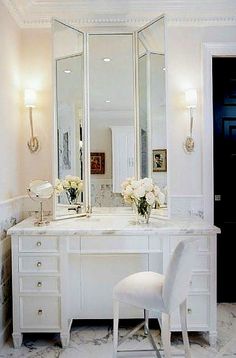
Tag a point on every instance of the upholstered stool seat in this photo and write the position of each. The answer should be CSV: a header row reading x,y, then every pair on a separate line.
x,y
142,289
162,294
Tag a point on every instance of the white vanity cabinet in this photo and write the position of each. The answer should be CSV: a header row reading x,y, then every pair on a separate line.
x,y
68,270
38,287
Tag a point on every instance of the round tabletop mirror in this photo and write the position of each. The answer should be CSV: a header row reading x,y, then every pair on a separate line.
x,y
40,190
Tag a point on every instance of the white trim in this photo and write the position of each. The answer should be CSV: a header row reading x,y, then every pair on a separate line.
x,y
15,198
129,22
210,50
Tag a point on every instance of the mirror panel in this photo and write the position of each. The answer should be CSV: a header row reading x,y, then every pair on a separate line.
x,y
69,113
152,104
112,128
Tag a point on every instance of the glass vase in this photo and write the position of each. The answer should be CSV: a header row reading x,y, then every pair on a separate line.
x,y
142,214
72,196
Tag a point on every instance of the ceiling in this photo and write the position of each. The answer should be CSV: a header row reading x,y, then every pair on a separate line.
x,y
38,13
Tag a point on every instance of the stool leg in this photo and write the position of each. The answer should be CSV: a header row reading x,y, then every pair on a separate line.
x,y
146,318
165,334
115,327
183,319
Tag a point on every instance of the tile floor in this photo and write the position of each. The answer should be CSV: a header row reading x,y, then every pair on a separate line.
x,y
96,342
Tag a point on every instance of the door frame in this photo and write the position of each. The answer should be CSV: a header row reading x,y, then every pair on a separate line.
x,y
210,50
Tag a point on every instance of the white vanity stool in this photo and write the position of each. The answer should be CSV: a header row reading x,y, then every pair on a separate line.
x,y
156,292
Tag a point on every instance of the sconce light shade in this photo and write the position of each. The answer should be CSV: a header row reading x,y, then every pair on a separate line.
x,y
191,103
30,101
191,98
30,97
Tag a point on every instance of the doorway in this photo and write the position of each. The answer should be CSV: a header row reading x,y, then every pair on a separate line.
x,y
224,114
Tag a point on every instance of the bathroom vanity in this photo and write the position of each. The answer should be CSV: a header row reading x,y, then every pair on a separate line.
x,y
68,269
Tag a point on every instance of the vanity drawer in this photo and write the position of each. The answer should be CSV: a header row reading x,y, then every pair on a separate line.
x,y
198,313
104,244
40,313
38,264
38,244
203,243
44,284
201,263
199,283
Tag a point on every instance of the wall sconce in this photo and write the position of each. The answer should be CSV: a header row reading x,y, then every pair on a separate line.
x,y
30,100
191,103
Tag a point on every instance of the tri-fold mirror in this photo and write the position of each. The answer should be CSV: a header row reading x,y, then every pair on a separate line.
x,y
110,115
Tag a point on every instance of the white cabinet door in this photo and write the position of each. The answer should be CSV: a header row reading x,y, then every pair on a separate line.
x,y
122,155
99,274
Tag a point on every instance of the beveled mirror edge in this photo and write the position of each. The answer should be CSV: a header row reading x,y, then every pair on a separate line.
x,y
55,125
161,17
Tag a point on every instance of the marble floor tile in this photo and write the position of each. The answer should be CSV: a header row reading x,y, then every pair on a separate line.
x,y
96,342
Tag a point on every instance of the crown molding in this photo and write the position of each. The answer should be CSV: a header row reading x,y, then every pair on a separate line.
x,y
202,21
134,21
14,11
121,13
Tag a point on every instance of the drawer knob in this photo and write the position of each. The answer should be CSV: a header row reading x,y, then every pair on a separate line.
x,y
39,284
191,283
189,310
39,264
39,243
40,312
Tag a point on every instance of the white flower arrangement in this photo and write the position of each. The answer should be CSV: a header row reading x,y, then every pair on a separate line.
x,y
143,193
72,185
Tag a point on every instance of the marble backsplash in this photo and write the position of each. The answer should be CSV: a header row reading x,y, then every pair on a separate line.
x,y
187,205
102,194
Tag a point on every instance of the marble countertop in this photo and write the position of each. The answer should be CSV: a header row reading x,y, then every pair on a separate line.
x,y
116,225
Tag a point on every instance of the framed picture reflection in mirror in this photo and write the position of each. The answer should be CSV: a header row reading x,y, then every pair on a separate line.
x,y
97,163
159,160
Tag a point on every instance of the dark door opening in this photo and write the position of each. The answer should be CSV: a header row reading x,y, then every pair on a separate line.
x,y
224,108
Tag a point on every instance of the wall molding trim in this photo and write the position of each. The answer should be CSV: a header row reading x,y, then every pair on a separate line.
x,y
129,13
202,21
208,51
127,22
12,200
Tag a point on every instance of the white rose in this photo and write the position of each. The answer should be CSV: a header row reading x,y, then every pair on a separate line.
x,y
125,184
73,185
128,199
157,190
150,197
135,184
139,192
66,184
147,181
69,178
128,190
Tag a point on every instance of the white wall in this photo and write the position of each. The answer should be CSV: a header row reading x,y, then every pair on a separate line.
x,y
185,71
37,73
11,155
10,128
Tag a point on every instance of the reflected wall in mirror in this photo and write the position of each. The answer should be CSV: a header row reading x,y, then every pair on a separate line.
x,y
152,101
112,124
69,113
